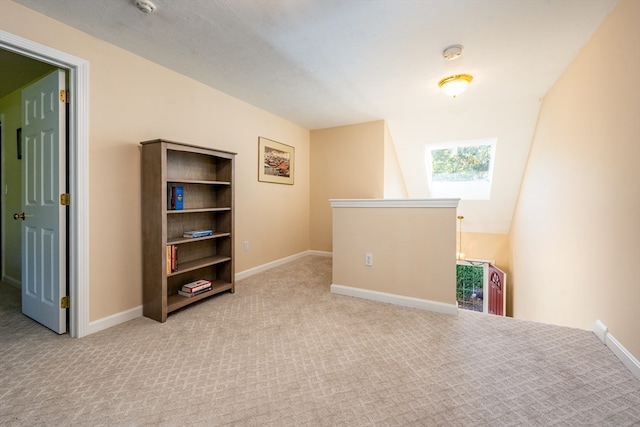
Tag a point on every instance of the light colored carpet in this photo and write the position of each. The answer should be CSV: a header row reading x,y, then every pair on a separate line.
x,y
283,351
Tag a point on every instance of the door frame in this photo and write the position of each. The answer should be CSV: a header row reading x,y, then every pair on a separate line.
x,y
78,131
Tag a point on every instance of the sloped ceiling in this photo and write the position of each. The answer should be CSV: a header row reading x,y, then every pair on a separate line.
x,y
17,71
331,63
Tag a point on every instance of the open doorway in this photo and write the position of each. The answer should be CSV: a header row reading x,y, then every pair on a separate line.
x,y
78,72
470,286
17,71
34,117
481,286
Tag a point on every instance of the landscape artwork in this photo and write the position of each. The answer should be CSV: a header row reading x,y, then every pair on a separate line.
x,y
275,162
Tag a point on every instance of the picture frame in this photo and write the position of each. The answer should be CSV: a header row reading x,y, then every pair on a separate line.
x,y
19,143
275,161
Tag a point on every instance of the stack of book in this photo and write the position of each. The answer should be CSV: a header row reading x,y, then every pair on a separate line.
x,y
195,288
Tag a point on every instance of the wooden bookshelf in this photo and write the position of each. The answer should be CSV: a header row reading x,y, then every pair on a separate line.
x,y
207,179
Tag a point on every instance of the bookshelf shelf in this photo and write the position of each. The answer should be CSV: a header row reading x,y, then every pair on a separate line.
x,y
206,180
175,302
179,240
197,181
187,211
199,263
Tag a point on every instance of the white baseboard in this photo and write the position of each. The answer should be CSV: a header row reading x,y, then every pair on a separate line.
x,y
423,304
114,319
602,332
264,267
600,329
320,253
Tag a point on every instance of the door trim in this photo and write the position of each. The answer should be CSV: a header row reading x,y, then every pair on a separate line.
x,y
78,230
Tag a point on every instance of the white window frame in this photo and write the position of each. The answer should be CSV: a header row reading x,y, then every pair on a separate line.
x,y
465,190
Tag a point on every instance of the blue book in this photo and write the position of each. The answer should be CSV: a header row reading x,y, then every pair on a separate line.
x,y
198,233
178,197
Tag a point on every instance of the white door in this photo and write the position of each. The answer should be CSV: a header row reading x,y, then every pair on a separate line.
x,y
44,245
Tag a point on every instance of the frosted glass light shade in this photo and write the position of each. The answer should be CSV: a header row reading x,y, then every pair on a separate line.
x,y
455,85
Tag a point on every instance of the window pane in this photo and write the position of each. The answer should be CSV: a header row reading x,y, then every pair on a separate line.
x,y
461,169
461,163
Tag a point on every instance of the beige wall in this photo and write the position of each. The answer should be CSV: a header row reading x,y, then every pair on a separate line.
x,y
576,231
394,185
413,251
11,170
488,246
131,100
346,162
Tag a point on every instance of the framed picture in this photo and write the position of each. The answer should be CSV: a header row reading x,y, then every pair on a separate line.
x,y
19,143
275,161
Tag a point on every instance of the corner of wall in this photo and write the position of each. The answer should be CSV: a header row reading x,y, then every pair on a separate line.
x,y
627,359
395,186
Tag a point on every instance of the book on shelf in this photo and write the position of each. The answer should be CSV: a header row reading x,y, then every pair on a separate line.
x,y
175,197
172,259
179,197
193,294
205,287
196,286
197,233
168,255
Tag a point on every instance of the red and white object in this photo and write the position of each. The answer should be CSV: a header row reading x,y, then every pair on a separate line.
x,y
197,286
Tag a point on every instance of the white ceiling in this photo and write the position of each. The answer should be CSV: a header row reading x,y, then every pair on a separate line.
x,y
330,63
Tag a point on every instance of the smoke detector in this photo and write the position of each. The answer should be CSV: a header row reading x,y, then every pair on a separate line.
x,y
145,6
452,52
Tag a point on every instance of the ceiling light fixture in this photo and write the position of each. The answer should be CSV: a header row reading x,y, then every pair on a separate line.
x,y
145,6
455,85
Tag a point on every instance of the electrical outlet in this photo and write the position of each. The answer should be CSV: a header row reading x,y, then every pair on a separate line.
x,y
245,245
368,260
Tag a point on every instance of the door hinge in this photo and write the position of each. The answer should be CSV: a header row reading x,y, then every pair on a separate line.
x,y
64,302
65,199
64,94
